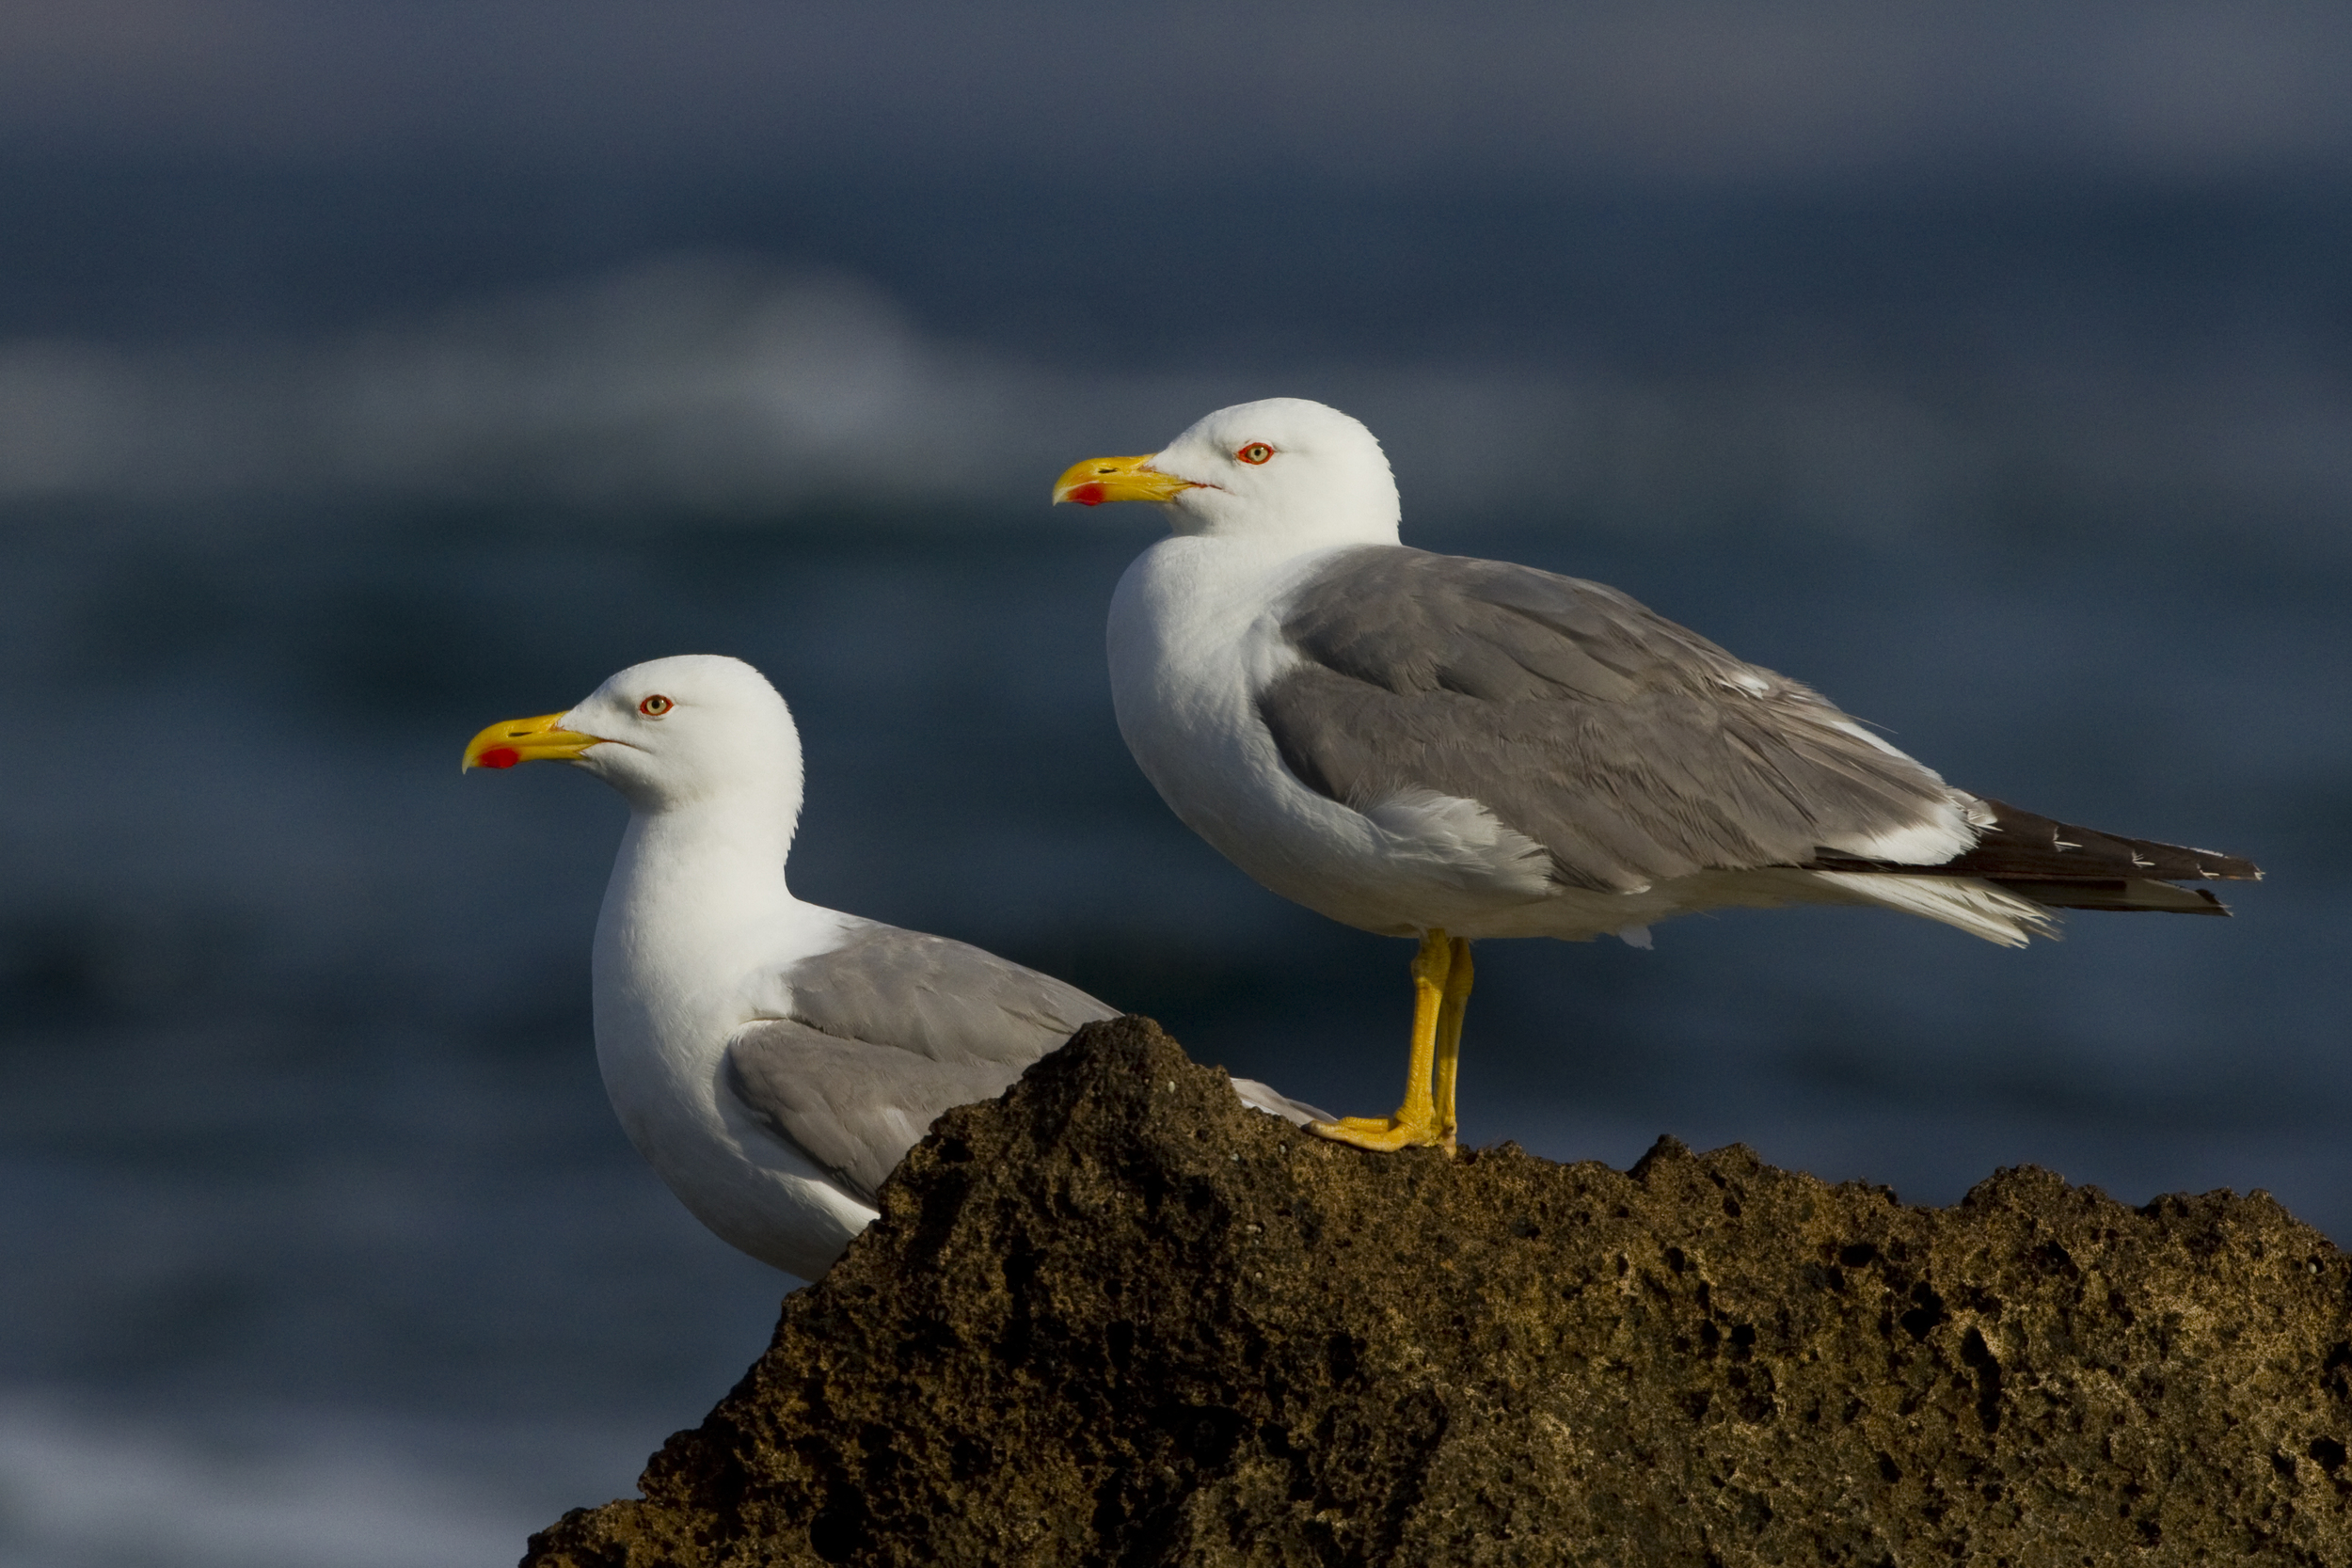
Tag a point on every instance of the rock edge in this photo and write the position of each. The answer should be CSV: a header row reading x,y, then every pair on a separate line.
x,y
1115,1317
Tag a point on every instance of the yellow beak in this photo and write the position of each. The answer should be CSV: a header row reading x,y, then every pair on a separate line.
x,y
514,740
1117,479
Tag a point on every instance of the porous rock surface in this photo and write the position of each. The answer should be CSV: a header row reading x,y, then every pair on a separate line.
x,y
1116,1318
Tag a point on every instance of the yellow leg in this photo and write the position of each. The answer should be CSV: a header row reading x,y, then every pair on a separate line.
x,y
1457,1002
1416,1121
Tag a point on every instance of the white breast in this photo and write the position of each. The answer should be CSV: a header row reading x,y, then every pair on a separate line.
x,y
675,978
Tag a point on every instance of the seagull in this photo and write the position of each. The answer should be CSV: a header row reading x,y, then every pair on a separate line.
x,y
1445,748
772,1060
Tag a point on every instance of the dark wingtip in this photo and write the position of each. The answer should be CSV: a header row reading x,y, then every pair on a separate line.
x,y
2026,844
2215,866
2118,894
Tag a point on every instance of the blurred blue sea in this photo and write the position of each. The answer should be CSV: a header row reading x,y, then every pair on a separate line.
x,y
323,1246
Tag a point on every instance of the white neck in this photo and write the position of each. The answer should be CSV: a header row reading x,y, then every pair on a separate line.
x,y
696,940
1321,523
687,943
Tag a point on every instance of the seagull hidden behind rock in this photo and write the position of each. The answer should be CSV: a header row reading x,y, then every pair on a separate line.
x,y
771,1060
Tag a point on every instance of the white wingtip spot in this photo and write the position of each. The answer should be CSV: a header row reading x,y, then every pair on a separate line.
x,y
1636,936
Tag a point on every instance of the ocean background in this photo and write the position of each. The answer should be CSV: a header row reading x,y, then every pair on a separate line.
x,y
359,392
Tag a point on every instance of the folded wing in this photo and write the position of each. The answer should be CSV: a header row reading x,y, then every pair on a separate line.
x,y
1634,750
886,1032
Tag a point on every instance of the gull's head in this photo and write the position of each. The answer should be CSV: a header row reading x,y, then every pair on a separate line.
x,y
667,732
1283,468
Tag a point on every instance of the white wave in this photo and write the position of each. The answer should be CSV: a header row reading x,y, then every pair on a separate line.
x,y
721,385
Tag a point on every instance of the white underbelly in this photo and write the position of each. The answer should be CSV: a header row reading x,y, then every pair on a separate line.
x,y
755,1191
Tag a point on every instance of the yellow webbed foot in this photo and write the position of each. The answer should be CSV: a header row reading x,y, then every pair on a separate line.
x,y
1384,1133
1441,976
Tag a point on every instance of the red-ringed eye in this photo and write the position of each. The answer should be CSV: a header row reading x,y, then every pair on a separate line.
x,y
654,707
1256,452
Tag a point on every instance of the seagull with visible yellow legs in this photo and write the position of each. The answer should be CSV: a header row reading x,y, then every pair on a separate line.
x,y
1441,983
1437,747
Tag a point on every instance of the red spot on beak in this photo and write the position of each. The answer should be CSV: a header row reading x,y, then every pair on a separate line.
x,y
498,756
1088,495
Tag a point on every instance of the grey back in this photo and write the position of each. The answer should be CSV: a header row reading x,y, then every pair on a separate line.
x,y
1631,749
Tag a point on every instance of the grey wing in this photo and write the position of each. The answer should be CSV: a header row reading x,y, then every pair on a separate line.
x,y
887,1030
854,1107
1631,749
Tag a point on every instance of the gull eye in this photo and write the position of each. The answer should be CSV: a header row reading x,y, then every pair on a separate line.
x,y
654,707
1256,452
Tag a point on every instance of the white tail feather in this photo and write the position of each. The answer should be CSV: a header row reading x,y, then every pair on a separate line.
x,y
1975,907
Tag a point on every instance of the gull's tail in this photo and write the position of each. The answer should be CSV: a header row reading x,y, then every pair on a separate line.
x,y
2029,862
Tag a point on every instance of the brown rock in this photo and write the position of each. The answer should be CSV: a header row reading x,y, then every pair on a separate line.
x,y
1114,1318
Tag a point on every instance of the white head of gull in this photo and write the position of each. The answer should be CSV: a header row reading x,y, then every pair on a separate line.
x,y
1447,748
772,1060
